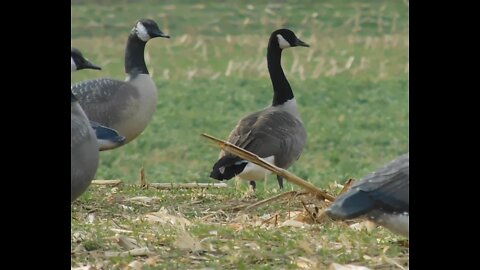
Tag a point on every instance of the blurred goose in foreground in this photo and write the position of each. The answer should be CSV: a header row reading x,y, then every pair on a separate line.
x,y
382,197
275,133
126,106
84,145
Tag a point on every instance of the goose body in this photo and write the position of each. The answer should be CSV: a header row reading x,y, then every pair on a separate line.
x,y
84,145
84,151
382,196
275,133
126,106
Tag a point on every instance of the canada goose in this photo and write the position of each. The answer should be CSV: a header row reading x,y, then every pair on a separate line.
x,y
107,138
84,145
381,196
275,133
126,106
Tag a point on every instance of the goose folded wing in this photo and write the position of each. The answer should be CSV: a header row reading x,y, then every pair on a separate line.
x,y
104,100
268,133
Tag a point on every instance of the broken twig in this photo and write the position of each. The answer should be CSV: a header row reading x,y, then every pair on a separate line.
x,y
271,199
187,185
115,182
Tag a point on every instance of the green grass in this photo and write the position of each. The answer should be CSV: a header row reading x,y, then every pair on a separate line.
x,y
351,85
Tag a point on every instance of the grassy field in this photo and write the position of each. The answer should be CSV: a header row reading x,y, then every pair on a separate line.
x,y
352,89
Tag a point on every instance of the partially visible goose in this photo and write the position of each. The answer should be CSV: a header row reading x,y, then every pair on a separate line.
x,y
84,145
382,197
108,138
275,133
79,62
126,106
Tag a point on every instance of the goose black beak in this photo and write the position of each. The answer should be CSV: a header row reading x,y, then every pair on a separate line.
x,y
301,43
90,65
159,33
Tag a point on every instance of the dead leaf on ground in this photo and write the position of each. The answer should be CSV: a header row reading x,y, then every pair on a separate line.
x,y
363,225
305,263
392,261
135,265
253,245
295,223
187,242
236,226
120,230
336,266
125,242
162,216
154,260
306,246
143,199
90,218
133,252
86,267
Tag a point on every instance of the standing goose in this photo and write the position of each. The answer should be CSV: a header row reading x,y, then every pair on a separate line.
x,y
126,106
84,145
382,196
275,133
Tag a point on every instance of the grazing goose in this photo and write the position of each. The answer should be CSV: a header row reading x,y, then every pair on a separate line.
x,y
381,196
126,106
275,133
84,145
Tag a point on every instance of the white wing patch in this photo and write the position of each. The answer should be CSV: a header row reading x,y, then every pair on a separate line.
x,y
282,42
253,172
142,32
394,222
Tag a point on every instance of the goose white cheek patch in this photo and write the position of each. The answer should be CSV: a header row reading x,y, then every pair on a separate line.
x,y
74,67
282,42
142,32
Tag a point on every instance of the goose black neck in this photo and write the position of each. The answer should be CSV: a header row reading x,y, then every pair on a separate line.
x,y
282,92
134,56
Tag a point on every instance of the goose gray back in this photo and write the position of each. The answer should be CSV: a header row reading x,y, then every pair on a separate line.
x,y
126,106
83,143
275,133
382,196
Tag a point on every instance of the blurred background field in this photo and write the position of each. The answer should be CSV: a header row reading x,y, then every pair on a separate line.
x,y
351,84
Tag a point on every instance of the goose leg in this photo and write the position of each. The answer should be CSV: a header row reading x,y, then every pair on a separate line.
x,y
280,181
250,194
237,183
253,184
265,178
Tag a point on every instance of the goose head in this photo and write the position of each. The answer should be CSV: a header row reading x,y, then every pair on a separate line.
x,y
146,29
285,38
79,62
